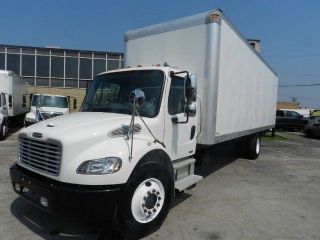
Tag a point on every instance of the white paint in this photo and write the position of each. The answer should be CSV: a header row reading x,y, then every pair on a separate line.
x,y
12,84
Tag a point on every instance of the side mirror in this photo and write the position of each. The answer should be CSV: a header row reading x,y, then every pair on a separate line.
x,y
24,101
191,109
137,97
187,89
193,80
74,104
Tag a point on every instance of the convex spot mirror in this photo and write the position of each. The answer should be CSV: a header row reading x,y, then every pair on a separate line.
x,y
137,97
191,109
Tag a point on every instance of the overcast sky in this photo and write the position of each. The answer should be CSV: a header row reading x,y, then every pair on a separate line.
x,y
289,30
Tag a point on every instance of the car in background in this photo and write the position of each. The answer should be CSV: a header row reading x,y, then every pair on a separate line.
x,y
313,127
290,120
315,113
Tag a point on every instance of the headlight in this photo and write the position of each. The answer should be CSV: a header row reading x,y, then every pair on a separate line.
x,y
30,120
100,166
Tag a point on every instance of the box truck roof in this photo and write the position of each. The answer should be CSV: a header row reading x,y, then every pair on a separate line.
x,y
198,19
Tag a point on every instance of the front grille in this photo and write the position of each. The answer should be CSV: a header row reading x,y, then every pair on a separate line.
x,y
43,156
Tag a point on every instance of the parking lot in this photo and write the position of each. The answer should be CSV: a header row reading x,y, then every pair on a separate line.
x,y
274,197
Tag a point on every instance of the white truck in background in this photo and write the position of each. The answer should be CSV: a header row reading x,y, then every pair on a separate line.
x,y
188,84
12,89
44,106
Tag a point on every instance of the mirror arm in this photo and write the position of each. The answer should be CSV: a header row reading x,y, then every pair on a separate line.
x,y
175,120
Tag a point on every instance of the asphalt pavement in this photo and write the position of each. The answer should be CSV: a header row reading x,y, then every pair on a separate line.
x,y
274,197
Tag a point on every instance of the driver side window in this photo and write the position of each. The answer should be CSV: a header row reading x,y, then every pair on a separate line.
x,y
176,99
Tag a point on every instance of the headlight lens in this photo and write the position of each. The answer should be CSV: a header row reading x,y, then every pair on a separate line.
x,y
100,166
30,120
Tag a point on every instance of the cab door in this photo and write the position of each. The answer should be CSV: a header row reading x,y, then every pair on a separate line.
x,y
180,134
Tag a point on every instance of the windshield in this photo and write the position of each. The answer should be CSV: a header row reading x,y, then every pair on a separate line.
x,y
110,92
49,101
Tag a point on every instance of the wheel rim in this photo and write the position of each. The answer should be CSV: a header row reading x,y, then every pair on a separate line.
x,y
147,200
4,130
258,146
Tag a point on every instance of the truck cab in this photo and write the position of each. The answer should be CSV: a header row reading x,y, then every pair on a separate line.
x,y
135,127
44,106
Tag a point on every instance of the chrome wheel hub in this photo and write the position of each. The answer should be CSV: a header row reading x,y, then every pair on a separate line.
x,y
258,146
147,200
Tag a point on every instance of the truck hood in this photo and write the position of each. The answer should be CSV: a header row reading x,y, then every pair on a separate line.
x,y
82,123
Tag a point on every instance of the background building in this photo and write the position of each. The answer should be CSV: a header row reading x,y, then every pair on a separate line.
x,y
58,71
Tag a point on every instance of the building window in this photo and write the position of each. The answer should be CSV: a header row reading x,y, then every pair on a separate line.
x,y
13,63
99,66
71,83
43,66
2,61
84,84
13,50
71,67
57,67
85,68
56,83
28,65
30,81
43,82
113,64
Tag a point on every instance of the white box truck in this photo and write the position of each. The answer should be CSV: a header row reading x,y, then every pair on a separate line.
x,y
44,106
134,141
12,89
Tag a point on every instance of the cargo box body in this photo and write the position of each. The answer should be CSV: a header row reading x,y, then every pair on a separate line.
x,y
237,90
14,87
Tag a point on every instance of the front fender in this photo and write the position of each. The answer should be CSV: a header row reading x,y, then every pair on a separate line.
x,y
114,147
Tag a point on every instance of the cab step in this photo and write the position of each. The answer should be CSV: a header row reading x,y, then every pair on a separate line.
x,y
186,182
184,174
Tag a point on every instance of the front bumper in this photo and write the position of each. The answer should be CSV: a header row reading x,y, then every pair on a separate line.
x,y
64,199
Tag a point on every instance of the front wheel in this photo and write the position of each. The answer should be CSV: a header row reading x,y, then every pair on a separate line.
x,y
146,201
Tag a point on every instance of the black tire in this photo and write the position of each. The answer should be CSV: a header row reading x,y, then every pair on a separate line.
x,y
253,147
248,146
126,223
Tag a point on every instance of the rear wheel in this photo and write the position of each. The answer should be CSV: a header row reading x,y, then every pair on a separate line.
x,y
250,146
253,148
145,202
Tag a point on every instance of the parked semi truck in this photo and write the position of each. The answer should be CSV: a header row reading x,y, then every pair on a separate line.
x,y
44,106
188,84
12,88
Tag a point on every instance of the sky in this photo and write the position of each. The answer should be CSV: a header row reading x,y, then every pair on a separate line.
x,y
289,30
